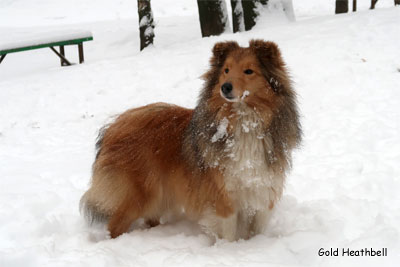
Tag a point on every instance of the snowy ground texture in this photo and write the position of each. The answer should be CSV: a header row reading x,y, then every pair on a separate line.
x,y
344,188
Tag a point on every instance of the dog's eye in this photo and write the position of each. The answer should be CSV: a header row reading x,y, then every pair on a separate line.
x,y
248,71
226,70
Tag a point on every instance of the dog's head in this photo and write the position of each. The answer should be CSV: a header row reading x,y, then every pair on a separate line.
x,y
255,75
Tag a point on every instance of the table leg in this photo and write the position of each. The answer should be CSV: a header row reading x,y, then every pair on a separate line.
x,y
62,52
81,58
64,61
2,57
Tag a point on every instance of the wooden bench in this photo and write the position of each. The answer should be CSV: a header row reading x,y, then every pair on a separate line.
x,y
51,40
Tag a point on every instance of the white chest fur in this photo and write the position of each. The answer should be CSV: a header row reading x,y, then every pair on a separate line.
x,y
250,181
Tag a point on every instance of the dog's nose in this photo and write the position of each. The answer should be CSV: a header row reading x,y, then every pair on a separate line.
x,y
226,88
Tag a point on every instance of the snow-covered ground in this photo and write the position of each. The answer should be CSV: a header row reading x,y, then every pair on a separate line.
x,y
344,188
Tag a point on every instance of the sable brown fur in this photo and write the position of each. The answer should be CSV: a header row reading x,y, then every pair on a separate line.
x,y
163,160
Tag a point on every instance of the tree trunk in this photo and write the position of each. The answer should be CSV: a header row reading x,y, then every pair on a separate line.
x,y
342,6
237,16
146,23
354,5
288,8
249,14
213,17
373,3
396,2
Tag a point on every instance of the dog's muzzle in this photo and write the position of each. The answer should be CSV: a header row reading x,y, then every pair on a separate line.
x,y
226,91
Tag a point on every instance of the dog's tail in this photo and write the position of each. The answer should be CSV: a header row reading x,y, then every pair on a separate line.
x,y
92,211
89,205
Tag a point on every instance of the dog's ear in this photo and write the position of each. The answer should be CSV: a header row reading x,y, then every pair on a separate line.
x,y
221,50
272,64
267,53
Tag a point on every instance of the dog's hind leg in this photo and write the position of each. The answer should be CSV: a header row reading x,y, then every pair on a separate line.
x,y
140,201
120,221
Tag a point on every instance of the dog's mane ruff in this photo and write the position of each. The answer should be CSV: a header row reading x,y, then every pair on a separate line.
x,y
203,124
285,129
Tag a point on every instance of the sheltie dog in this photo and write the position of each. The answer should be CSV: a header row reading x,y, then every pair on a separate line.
x,y
222,164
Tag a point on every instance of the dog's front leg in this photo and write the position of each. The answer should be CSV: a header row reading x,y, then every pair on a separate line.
x,y
260,221
228,227
227,217
219,227
224,206
221,222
